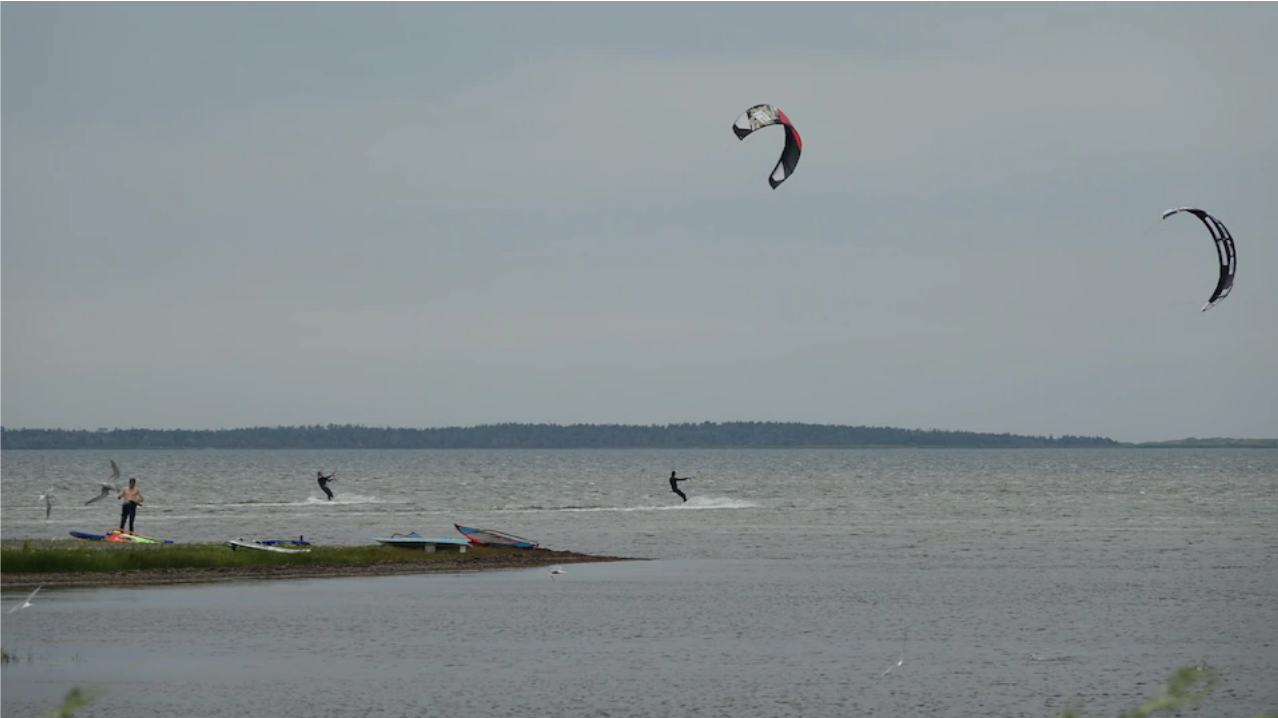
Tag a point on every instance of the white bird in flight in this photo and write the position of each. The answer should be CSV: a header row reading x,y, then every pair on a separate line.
x,y
556,571
898,663
106,491
107,488
27,603
901,658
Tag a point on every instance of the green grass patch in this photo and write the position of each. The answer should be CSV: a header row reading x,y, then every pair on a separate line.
x,y
75,699
141,557
1186,687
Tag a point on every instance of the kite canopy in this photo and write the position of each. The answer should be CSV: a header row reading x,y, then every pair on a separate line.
x,y
1224,249
761,116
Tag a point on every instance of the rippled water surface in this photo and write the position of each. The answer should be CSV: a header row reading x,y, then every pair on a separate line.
x,y
1004,583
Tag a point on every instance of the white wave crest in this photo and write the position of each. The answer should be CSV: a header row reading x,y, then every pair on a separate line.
x,y
693,504
341,499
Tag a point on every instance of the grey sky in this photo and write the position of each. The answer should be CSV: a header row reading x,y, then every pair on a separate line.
x,y
222,215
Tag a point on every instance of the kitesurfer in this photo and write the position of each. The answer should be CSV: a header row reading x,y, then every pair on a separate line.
x,y
132,496
674,485
323,482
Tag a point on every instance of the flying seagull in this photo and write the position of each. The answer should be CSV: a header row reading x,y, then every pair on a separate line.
x,y
901,658
27,603
107,488
556,571
106,491
898,663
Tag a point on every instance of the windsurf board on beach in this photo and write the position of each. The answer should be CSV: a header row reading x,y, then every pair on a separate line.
x,y
122,536
263,546
414,540
118,536
490,537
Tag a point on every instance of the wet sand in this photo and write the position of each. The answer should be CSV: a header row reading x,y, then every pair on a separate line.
x,y
529,558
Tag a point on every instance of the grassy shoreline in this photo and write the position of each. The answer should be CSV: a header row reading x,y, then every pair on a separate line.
x,y
26,563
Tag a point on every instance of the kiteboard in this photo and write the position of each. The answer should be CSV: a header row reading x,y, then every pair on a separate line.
x,y
88,536
263,546
489,537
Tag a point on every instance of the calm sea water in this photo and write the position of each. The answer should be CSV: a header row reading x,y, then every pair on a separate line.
x,y
1003,583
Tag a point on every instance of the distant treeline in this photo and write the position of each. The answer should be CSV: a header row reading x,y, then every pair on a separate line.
x,y
535,436
1218,443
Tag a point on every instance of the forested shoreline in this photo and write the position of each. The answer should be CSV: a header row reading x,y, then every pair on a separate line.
x,y
537,436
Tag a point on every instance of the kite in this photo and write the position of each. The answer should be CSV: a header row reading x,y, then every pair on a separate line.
x,y
761,116
1224,248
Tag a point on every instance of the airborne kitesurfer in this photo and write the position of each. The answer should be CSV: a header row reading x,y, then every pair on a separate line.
x,y
323,482
674,485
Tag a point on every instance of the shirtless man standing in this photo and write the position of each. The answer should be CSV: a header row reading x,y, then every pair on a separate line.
x,y
132,496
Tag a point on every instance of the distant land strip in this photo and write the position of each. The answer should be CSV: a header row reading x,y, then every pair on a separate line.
x,y
704,435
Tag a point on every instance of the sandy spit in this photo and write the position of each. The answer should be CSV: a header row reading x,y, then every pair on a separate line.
x,y
530,558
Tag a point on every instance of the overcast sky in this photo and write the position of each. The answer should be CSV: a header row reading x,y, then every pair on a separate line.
x,y
227,215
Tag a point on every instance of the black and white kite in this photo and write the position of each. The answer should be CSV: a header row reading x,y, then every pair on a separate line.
x,y
761,116
1224,248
